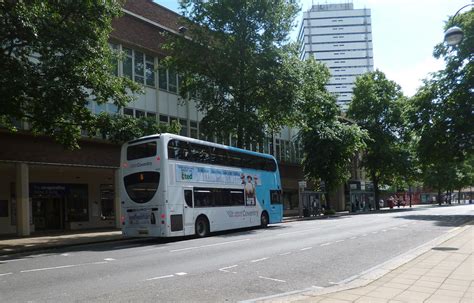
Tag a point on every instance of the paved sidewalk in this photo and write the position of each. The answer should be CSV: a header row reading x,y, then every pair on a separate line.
x,y
442,272
40,242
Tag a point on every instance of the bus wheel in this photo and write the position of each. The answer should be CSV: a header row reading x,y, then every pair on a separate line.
x,y
264,220
202,227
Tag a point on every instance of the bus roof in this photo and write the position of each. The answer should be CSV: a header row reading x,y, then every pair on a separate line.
x,y
183,138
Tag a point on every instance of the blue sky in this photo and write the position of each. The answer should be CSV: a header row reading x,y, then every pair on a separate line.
x,y
404,34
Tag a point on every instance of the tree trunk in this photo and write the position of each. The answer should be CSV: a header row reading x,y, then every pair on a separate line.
x,y
439,197
459,196
375,181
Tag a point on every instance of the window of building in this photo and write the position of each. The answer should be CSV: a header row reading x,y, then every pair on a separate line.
x,y
112,108
162,78
107,210
151,115
127,63
77,204
128,111
172,81
184,127
164,119
193,128
139,113
139,67
114,61
150,71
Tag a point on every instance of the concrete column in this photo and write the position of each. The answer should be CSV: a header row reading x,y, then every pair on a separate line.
x,y
22,200
117,200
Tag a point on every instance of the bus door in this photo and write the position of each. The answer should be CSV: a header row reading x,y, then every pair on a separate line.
x,y
276,206
188,211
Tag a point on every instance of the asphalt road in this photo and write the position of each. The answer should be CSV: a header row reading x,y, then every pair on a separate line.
x,y
232,266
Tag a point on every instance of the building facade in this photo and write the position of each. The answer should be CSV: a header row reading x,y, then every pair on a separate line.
x,y
45,187
341,37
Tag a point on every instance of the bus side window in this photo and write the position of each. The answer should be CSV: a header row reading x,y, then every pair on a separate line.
x,y
188,197
275,197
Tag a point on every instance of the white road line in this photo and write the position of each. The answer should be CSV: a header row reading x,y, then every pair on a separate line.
x,y
225,269
297,232
375,232
162,277
306,248
352,238
109,259
339,241
181,274
209,245
284,254
65,255
325,244
12,260
61,267
258,260
384,230
6,274
276,280
154,248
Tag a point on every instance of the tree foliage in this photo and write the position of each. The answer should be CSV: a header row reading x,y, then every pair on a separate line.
x,y
55,58
120,129
377,107
441,114
236,58
329,143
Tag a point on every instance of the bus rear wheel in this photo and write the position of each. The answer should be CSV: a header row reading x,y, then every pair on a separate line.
x,y
264,220
202,227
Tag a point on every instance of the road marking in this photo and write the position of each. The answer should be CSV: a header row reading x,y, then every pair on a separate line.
x,y
154,248
364,235
375,232
225,269
6,274
299,231
353,238
209,245
317,287
181,274
109,259
339,241
276,280
325,244
61,267
162,277
306,248
284,254
12,260
258,260
65,255
384,230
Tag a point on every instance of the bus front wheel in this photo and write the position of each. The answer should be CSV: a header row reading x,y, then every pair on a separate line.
x,y
264,220
202,227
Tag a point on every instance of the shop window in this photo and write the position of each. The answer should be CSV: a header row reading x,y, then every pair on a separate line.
x,y
107,211
3,208
77,209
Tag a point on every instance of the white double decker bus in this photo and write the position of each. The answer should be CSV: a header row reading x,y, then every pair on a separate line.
x,y
177,186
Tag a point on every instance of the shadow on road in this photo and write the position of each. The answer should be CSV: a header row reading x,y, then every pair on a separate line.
x,y
442,220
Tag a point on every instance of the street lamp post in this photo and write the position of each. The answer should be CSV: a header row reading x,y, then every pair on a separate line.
x,y
454,35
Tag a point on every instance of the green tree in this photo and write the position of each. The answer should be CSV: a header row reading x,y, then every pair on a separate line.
x,y
440,113
329,143
377,107
120,129
234,56
54,59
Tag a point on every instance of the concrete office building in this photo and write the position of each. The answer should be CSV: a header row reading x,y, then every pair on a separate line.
x,y
44,187
341,37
